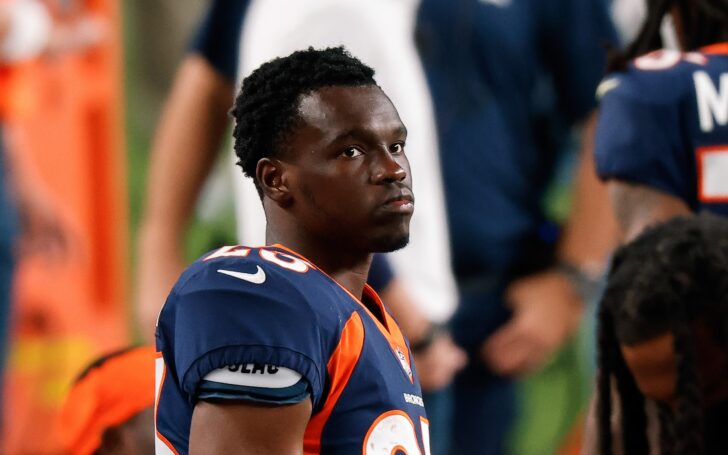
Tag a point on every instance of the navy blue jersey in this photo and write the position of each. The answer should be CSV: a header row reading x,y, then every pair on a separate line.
x,y
259,311
218,36
508,78
664,124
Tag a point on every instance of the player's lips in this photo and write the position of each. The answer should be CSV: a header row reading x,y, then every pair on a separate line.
x,y
403,202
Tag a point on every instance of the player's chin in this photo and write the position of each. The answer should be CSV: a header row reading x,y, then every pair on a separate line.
x,y
389,244
391,240
389,233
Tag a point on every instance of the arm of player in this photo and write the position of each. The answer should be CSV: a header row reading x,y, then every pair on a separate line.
x,y
185,146
246,429
547,307
638,207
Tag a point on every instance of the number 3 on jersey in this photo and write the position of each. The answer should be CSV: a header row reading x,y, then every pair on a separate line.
x,y
394,433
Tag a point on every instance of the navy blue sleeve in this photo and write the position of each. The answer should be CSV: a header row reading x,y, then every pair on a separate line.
x,y
637,140
217,321
217,38
380,273
575,35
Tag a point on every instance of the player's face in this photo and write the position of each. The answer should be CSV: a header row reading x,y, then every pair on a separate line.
x,y
350,177
652,364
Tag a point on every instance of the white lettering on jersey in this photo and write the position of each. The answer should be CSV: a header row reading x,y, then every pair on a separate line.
x,y
255,375
229,251
663,59
414,399
712,100
606,85
658,60
284,260
713,174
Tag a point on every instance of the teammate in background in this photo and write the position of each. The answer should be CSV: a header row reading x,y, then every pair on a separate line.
x,y
284,347
663,327
511,81
662,136
110,408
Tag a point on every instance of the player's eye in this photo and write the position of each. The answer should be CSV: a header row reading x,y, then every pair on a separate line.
x,y
351,152
396,148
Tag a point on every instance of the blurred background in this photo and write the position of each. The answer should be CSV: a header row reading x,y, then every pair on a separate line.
x,y
78,112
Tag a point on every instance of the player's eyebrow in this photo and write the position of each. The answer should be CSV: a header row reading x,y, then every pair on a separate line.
x,y
399,130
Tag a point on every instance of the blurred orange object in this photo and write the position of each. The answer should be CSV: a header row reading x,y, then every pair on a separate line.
x,y
107,395
63,114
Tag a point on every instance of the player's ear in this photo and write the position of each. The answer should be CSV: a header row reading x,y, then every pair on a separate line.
x,y
271,177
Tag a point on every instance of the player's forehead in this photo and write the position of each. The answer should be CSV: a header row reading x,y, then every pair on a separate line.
x,y
333,109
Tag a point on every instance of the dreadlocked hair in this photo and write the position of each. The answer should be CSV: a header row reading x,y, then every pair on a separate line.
x,y
704,22
613,373
669,277
266,108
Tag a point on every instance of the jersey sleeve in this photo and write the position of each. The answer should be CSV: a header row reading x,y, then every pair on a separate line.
x,y
218,36
575,36
638,140
235,339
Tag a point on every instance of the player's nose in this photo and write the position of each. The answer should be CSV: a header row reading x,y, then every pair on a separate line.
x,y
387,168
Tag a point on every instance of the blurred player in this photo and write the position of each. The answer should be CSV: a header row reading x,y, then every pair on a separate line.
x,y
662,136
663,338
110,408
279,348
511,80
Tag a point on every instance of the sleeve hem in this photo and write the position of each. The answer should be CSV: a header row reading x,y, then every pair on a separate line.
x,y
232,355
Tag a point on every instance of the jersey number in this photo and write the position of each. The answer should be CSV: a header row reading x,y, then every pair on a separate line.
x,y
287,261
394,433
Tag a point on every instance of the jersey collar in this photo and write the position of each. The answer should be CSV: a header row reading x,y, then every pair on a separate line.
x,y
718,48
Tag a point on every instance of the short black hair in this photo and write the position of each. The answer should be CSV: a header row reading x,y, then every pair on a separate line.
x,y
704,22
266,108
671,275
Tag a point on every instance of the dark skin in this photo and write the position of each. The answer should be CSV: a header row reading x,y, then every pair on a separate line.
x,y
339,191
132,437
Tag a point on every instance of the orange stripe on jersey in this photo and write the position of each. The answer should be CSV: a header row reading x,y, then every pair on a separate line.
x,y
394,334
340,367
719,48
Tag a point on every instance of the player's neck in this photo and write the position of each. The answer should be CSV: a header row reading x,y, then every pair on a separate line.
x,y
349,268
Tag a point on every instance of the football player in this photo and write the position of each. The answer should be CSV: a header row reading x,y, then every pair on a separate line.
x,y
662,136
662,341
283,348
